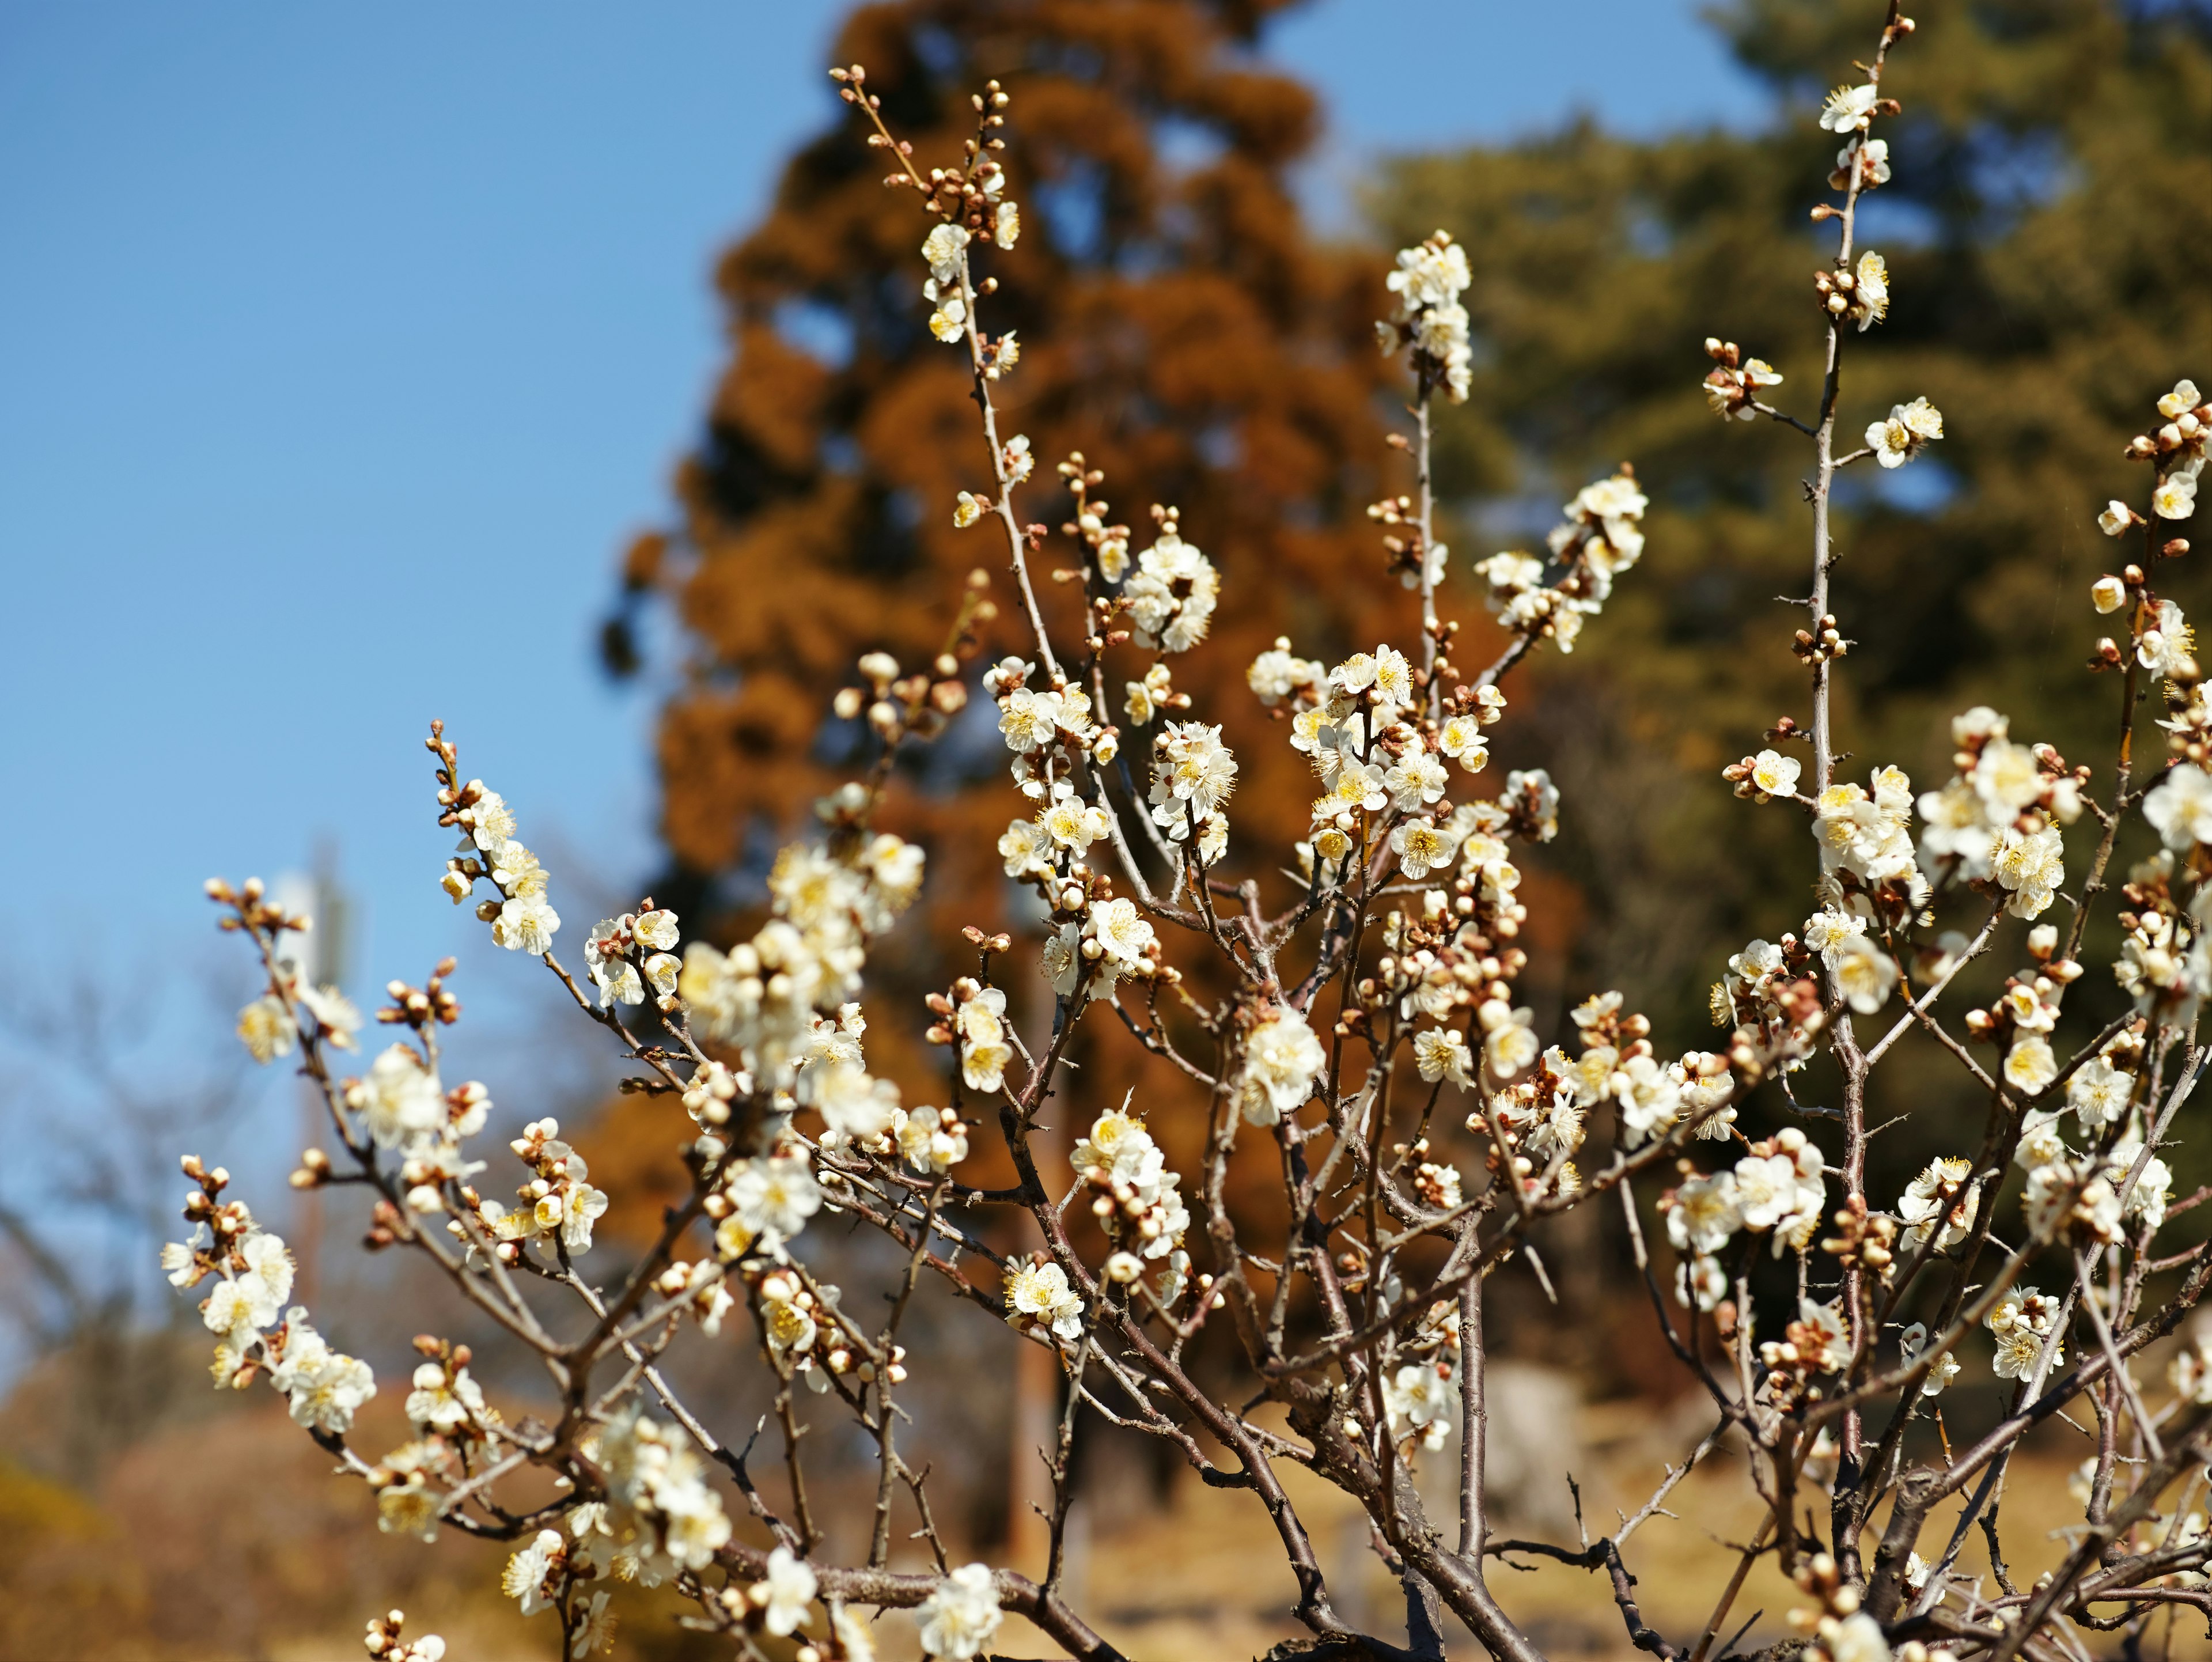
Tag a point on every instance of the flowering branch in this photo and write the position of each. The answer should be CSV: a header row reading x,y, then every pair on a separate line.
x,y
1337,1024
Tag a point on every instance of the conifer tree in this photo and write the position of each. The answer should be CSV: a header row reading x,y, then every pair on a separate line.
x,y
1177,325
2048,225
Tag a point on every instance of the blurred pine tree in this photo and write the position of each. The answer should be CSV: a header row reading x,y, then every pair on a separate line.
x,y
2048,230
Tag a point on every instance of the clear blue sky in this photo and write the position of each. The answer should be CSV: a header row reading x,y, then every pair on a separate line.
x,y
341,348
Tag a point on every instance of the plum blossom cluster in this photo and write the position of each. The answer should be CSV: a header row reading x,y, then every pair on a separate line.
x,y
1169,598
1735,385
1999,822
268,1026
2176,447
556,1205
1136,1199
1378,751
1600,537
780,1001
251,1272
522,919
1777,1189
1430,322
1898,439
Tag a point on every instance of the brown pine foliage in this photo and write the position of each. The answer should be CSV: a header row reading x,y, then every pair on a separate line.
x,y
1177,325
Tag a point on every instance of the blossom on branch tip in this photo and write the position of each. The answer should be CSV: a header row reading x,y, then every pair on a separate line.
x,y
1773,774
1429,280
1733,389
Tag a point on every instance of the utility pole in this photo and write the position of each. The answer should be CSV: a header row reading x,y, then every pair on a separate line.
x,y
320,958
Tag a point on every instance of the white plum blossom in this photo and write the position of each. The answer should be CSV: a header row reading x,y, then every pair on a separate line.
x,y
1869,296
1041,1292
1278,673
1705,1213
400,1100
1733,386
1172,595
1421,1400
1866,974
530,1570
2024,1322
1430,279
1848,109
1442,1054
2166,647
326,1387
1868,831
2032,867
1192,777
784,1593
1941,1200
1773,774
266,1028
2100,1094
1911,1345
2180,808
930,1139
1898,440
1283,1060
1783,1191
944,251
957,1620
443,1399
2029,1065
771,1200
980,1021
1422,847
